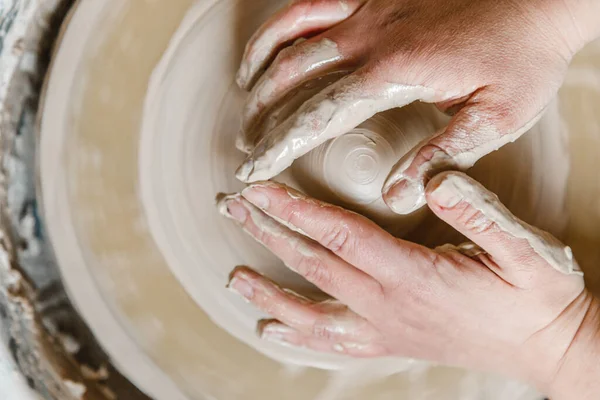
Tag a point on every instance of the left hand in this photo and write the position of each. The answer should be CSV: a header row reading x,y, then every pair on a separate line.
x,y
504,307
493,65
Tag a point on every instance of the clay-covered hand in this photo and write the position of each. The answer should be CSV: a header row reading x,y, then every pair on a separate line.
x,y
494,65
514,303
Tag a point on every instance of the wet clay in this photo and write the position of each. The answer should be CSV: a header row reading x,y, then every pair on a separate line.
x,y
147,265
556,254
348,107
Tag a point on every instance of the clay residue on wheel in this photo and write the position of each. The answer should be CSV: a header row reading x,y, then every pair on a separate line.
x,y
52,347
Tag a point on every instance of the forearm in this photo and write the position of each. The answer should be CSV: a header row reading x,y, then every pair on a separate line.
x,y
579,373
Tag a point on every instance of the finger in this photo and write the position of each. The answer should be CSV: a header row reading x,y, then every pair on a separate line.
x,y
481,126
293,66
304,256
296,311
268,297
334,111
520,250
353,238
465,253
298,19
277,332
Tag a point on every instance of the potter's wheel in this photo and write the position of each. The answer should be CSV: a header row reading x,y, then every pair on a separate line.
x,y
137,137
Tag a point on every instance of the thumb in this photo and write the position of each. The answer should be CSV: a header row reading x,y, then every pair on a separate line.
x,y
518,249
483,125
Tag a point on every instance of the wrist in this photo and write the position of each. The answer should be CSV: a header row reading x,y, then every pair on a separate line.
x,y
578,373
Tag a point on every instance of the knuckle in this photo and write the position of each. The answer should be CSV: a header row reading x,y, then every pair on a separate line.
x,y
264,237
476,222
470,218
462,211
314,270
289,212
438,261
337,238
322,329
484,225
495,111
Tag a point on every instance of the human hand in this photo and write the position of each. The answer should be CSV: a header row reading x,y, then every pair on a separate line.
x,y
495,65
514,307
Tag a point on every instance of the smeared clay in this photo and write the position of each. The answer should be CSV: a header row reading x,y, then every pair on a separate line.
x,y
313,57
556,254
259,52
412,195
338,108
268,96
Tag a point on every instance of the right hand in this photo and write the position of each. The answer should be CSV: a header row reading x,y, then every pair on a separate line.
x,y
494,65
514,304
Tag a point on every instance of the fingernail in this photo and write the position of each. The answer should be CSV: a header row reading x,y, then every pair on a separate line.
x,y
244,170
232,207
256,196
276,329
446,195
405,197
241,287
